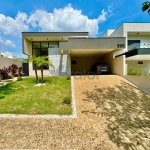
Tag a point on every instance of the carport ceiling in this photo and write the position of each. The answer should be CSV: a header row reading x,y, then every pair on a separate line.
x,y
89,52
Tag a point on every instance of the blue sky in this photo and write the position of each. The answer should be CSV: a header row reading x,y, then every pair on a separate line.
x,y
94,16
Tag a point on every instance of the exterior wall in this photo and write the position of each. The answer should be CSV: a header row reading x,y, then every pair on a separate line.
x,y
27,47
32,72
108,32
83,64
145,66
117,65
119,32
135,27
60,61
140,81
92,43
53,34
28,37
123,30
55,57
144,40
5,62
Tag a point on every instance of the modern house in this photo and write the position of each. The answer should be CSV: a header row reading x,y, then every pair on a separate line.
x,y
74,53
137,51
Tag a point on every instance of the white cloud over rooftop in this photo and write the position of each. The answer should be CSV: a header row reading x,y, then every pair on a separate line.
x,y
63,19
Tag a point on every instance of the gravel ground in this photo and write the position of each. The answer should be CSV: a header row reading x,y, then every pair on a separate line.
x,y
111,115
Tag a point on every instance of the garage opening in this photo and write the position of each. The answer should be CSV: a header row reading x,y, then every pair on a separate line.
x,y
82,65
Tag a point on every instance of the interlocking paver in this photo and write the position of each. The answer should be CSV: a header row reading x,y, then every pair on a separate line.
x,y
94,128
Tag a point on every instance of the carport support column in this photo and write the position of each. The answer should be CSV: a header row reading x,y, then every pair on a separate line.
x,y
65,64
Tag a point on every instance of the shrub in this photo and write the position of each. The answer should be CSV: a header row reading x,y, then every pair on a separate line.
x,y
11,71
4,73
139,72
19,78
67,100
68,77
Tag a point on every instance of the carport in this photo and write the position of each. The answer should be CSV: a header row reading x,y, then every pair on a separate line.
x,y
84,52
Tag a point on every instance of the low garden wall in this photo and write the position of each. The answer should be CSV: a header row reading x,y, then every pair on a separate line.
x,y
5,62
143,82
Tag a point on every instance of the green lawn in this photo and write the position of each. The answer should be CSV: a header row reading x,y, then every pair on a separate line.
x,y
22,97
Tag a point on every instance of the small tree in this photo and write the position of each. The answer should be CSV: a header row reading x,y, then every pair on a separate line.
x,y
35,61
146,6
43,61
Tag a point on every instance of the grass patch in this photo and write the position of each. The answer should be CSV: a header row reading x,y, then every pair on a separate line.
x,y
22,97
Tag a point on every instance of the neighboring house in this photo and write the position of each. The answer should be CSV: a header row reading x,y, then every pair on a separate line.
x,y
75,53
137,51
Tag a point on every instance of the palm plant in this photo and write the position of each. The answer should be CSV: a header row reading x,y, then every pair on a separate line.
x,y
146,6
43,61
35,61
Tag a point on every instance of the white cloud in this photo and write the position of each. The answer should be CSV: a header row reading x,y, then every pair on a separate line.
x,y
7,43
66,19
11,26
105,14
63,19
6,54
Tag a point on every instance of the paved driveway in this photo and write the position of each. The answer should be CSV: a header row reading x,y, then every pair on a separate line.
x,y
111,115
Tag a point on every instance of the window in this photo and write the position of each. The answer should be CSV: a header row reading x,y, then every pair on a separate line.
x,y
134,43
140,62
40,49
53,45
73,62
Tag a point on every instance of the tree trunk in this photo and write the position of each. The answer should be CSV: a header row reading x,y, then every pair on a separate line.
x,y
42,74
37,80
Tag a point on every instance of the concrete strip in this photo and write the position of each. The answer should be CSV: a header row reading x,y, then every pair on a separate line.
x,y
74,114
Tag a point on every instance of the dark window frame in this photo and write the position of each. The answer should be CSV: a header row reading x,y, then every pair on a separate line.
x,y
140,62
40,48
73,62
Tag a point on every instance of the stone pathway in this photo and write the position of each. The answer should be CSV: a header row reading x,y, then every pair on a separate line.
x,y
111,115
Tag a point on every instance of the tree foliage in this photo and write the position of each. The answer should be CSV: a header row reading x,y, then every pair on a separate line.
x,y
40,61
146,6
43,61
